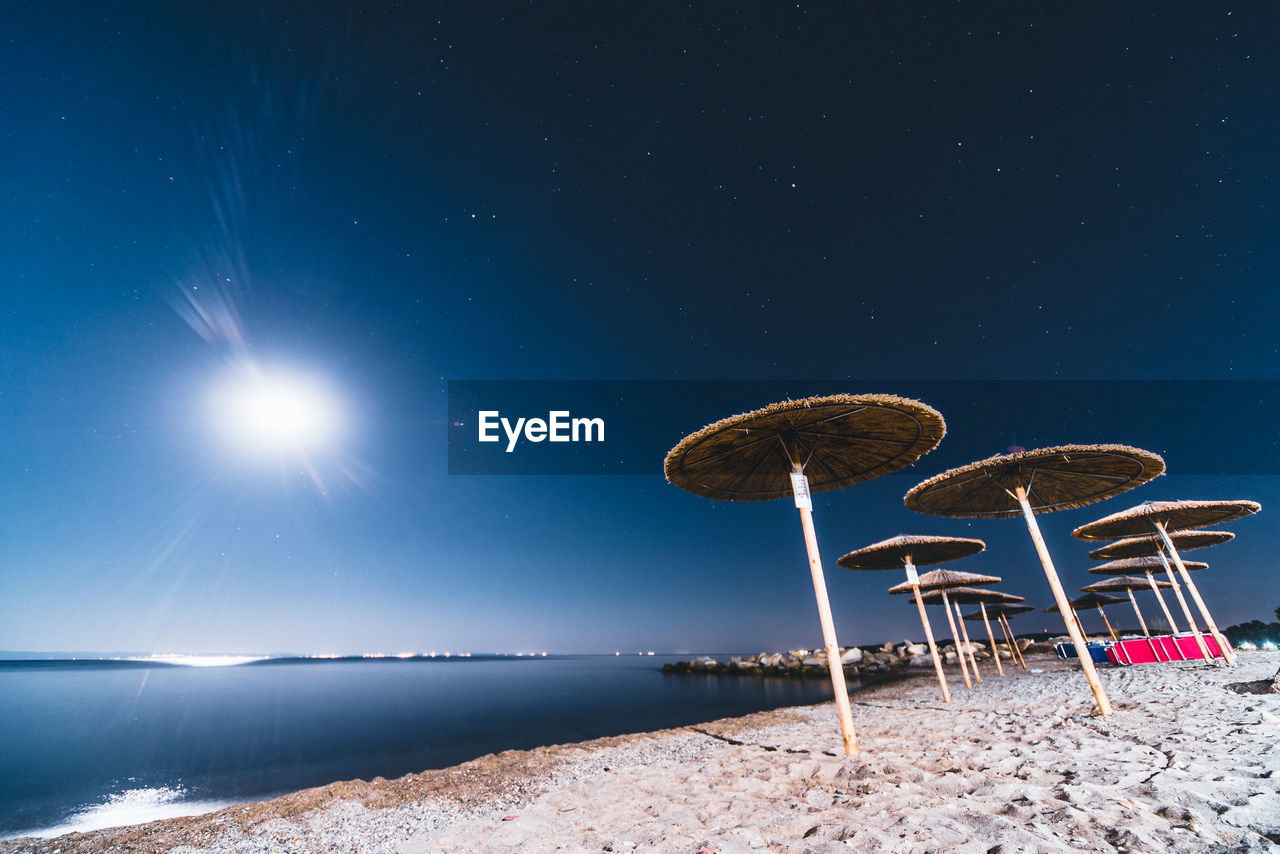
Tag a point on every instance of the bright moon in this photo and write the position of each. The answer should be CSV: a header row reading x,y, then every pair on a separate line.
x,y
265,412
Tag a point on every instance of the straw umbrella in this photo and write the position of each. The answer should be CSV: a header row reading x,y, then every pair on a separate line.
x,y
797,447
1041,481
1167,516
908,552
1002,614
941,579
984,615
1150,545
971,595
1098,600
1126,565
1127,583
1084,602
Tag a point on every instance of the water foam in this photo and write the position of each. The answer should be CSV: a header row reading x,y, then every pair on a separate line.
x,y
133,806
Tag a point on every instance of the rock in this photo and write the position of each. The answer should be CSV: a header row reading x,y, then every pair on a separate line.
x,y
888,647
852,656
814,661
736,663
916,649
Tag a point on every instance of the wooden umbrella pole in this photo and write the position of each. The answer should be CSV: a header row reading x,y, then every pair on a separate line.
x,y
1017,648
1080,623
1064,607
1141,622
1227,652
1186,611
1014,652
995,650
801,487
968,644
1110,630
1173,628
1137,612
955,639
1151,579
928,632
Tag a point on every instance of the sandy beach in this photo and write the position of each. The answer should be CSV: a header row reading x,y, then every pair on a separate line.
x,y
1019,764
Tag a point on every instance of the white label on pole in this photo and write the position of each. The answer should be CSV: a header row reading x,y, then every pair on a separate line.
x,y
912,576
800,486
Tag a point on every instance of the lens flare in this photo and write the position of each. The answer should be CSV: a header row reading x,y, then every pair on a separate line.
x,y
276,413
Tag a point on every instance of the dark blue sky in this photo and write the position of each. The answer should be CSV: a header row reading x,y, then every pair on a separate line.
x,y
392,197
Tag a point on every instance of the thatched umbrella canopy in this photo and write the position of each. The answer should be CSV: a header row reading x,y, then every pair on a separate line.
x,y
910,550
1093,600
1165,517
836,441
941,580
907,552
1120,582
1041,481
1184,541
1010,610
1059,478
798,447
1124,566
972,596
1147,518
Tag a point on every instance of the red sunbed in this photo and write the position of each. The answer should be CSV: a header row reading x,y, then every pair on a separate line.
x,y
1179,647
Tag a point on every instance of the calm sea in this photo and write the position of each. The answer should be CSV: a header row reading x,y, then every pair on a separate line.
x,y
88,744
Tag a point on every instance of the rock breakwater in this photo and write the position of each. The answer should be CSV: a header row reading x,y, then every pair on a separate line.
x,y
857,661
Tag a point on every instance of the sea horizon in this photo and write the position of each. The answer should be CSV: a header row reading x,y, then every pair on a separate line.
x,y
95,742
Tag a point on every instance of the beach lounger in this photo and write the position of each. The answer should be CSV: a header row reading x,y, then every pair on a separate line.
x,y
1097,651
1179,647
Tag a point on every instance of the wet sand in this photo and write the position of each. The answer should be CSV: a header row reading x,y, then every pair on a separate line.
x,y
1020,763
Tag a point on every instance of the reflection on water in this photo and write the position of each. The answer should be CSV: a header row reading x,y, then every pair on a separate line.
x,y
201,660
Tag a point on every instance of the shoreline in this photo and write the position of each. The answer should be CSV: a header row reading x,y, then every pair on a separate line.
x,y
1185,764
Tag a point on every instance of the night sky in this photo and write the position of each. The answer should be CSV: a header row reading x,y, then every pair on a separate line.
x,y
386,198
